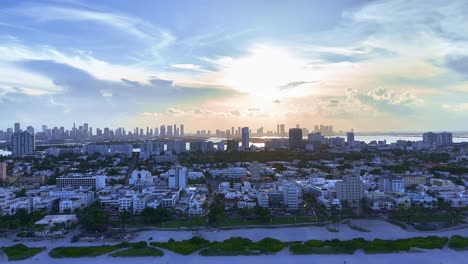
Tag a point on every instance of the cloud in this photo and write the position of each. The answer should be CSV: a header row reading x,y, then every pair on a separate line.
x,y
458,108
149,114
458,64
383,100
253,109
133,26
235,113
292,85
191,67
133,83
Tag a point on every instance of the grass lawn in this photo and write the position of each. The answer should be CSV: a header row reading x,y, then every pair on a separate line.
x,y
21,252
138,252
237,246
93,251
184,247
334,246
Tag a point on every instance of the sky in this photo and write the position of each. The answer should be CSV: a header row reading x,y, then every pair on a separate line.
x,y
364,65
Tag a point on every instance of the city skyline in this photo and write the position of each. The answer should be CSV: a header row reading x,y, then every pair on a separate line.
x,y
367,65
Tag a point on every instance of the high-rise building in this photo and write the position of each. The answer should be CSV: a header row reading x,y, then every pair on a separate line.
x,y
295,138
86,129
169,131
182,132
291,195
17,127
23,144
438,139
282,130
350,138
30,129
351,189
245,138
177,178
162,131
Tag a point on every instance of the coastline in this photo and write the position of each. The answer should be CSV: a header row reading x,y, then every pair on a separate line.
x,y
378,229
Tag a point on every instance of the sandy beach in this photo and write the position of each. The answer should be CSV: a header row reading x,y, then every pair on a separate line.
x,y
379,229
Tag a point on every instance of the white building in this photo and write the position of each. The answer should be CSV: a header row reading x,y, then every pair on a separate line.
x,y
391,184
78,180
196,205
234,173
177,178
140,202
291,195
141,179
262,199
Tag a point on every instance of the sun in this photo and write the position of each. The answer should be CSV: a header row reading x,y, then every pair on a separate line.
x,y
263,71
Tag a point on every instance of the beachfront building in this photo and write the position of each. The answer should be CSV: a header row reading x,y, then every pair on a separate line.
x,y
351,189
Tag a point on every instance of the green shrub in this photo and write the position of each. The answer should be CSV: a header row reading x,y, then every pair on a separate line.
x,y
268,245
185,247
334,246
458,243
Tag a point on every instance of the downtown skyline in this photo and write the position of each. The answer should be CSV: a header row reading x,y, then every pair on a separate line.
x,y
367,65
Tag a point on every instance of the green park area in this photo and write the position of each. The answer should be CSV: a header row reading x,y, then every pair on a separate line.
x,y
242,246
184,247
403,245
21,252
237,246
334,246
124,249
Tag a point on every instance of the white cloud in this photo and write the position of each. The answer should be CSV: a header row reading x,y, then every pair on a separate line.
x,y
187,66
463,107
125,23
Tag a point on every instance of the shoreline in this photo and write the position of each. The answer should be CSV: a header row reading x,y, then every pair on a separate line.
x,y
378,229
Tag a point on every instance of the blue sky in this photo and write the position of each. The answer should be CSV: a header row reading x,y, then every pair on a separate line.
x,y
367,65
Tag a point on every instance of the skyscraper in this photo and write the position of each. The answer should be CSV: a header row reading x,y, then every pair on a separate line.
x,y
162,131
17,127
86,129
169,131
30,129
245,138
182,133
350,138
295,138
23,144
282,130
